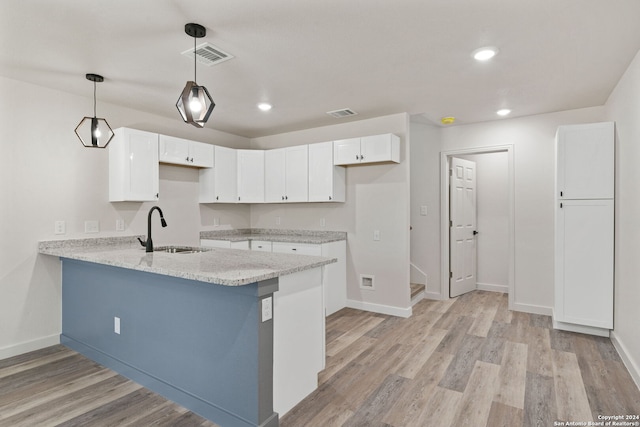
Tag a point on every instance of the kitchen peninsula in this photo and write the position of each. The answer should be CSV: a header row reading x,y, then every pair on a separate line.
x,y
197,326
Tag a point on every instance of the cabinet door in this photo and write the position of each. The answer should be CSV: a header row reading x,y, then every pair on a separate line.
x,y
200,154
380,148
250,176
346,151
585,161
297,174
261,245
584,262
225,175
174,150
274,175
133,166
326,181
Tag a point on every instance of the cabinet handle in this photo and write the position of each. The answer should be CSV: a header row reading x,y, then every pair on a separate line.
x,y
191,160
157,195
361,157
216,197
329,197
561,194
187,158
560,205
282,197
294,249
238,198
286,197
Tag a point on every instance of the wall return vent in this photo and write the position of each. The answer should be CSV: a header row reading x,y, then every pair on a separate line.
x,y
208,54
345,112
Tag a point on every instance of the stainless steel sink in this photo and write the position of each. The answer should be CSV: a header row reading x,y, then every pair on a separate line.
x,y
180,249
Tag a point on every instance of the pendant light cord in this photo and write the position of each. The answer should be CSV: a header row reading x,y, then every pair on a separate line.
x,y
195,69
94,99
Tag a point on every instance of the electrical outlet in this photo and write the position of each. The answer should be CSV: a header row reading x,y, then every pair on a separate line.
x,y
60,227
92,226
267,308
119,224
216,222
323,223
376,235
116,325
278,221
423,210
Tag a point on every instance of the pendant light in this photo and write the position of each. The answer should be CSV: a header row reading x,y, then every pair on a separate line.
x,y
93,131
195,104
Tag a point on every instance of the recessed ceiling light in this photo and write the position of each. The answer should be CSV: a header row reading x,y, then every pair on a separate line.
x,y
485,53
503,112
264,106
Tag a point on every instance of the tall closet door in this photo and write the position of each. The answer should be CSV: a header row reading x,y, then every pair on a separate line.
x,y
584,262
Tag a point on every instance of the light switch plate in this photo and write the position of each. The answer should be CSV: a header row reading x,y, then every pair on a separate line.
x,y
116,325
119,224
376,235
423,210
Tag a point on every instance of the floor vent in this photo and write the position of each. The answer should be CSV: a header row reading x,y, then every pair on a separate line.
x,y
345,112
208,54
367,282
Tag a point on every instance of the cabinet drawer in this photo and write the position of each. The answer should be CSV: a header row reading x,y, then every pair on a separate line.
x,y
297,248
226,244
260,245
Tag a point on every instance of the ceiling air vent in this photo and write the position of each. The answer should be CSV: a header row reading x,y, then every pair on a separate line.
x,y
345,112
208,54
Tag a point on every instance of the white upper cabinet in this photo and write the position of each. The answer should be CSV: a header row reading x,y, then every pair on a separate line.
x,y
326,181
585,156
368,149
286,174
184,152
250,176
133,166
219,184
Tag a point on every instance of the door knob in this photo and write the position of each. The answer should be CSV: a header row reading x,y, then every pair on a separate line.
x,y
475,232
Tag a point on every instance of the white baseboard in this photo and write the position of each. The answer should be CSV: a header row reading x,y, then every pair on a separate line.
x,y
533,309
417,298
492,287
632,365
379,308
434,295
27,346
581,329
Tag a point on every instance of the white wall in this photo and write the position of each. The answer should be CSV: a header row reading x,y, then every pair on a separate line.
x,y
492,205
533,141
377,198
623,107
47,175
425,179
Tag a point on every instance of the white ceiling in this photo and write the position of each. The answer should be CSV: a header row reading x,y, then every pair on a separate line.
x,y
307,57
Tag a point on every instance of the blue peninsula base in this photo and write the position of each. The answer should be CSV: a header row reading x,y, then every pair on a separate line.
x,y
201,345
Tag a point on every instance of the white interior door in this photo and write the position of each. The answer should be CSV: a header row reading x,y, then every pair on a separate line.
x,y
462,239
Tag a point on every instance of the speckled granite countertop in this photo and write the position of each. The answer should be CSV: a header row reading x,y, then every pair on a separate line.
x,y
229,267
275,235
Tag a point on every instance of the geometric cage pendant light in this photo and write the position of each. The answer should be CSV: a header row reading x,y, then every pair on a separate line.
x,y
94,132
195,104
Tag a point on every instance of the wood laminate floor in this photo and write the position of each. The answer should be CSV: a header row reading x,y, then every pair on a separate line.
x,y
464,362
468,361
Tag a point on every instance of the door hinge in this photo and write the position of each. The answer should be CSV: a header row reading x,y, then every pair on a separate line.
x,y
450,223
450,172
451,275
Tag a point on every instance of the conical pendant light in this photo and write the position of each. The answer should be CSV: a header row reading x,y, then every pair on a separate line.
x,y
92,131
195,104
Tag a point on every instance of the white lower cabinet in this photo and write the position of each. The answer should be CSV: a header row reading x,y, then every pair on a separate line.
x,y
224,244
297,248
261,245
